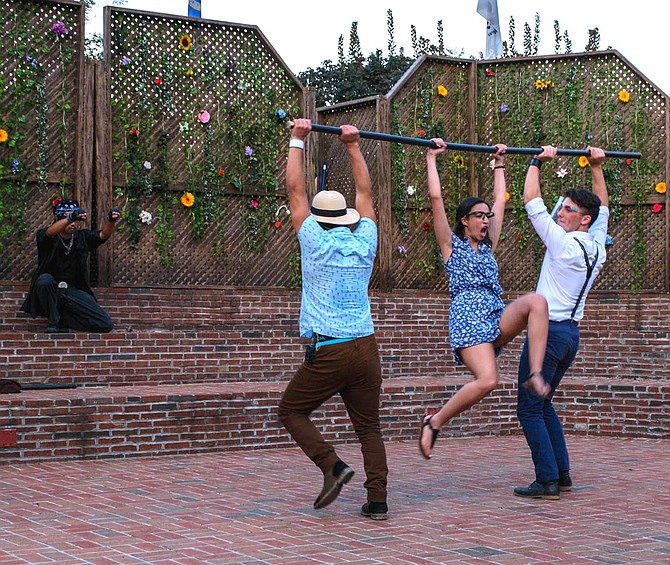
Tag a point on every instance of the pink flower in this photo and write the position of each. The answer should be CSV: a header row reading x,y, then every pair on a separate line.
x,y
489,72
657,208
254,203
204,117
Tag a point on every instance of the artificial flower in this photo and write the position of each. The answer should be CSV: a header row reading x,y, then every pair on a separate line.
x,y
507,196
134,132
158,81
253,203
401,249
539,85
277,224
459,161
583,161
426,226
189,73
146,217
185,42
624,96
410,190
489,72
204,117
442,91
16,166
629,162
32,61
59,29
609,240
56,201
281,114
147,165
125,61
421,133
3,136
248,151
183,127
187,199
660,188
519,236
657,208
504,108
221,172
589,136
561,172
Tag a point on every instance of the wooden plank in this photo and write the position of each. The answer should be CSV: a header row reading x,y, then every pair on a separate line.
x,y
384,211
472,125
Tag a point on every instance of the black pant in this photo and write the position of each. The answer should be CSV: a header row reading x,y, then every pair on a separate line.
x,y
70,307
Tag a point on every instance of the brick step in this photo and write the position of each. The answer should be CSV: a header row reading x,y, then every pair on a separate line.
x,y
116,422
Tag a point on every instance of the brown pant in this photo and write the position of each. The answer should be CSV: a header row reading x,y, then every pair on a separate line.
x,y
353,370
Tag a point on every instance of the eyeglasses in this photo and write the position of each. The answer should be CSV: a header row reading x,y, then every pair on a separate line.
x,y
567,208
481,215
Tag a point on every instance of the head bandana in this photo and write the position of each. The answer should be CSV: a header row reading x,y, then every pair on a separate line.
x,y
63,206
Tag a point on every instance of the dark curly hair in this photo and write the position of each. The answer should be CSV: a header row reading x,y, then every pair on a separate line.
x,y
585,199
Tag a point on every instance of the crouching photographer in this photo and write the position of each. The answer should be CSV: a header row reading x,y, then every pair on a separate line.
x,y
59,288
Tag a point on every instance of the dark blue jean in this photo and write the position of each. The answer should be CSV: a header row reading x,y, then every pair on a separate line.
x,y
540,423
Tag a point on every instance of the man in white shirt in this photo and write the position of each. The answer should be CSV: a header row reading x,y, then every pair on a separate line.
x,y
575,254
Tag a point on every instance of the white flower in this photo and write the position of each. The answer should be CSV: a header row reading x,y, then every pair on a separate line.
x,y
492,163
561,172
147,165
410,190
146,217
183,127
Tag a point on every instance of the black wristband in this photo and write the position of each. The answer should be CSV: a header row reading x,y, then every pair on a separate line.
x,y
498,167
535,162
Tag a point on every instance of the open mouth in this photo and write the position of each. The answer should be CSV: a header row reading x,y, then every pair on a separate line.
x,y
485,232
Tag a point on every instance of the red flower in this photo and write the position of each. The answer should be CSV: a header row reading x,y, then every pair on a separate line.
x,y
254,203
629,161
57,201
134,132
277,224
519,236
421,133
489,72
426,226
657,208
158,81
221,171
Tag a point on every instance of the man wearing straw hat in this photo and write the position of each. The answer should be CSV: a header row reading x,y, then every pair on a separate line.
x,y
575,254
338,247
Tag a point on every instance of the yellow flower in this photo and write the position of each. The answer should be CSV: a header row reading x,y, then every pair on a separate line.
x,y
189,73
583,161
3,136
624,96
660,188
459,162
507,196
185,42
539,85
187,199
549,83
442,91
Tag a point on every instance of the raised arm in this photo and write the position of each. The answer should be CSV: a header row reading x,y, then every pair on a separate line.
x,y
295,173
440,221
531,187
359,168
598,186
499,192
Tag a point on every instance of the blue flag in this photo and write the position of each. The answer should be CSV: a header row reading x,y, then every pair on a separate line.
x,y
194,8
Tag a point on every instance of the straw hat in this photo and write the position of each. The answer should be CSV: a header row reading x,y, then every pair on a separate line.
x,y
330,207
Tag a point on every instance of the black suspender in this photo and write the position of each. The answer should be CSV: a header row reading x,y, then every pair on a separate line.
x,y
589,272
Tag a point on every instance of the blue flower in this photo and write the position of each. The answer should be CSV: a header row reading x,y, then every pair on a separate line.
x,y
125,61
16,166
281,114
248,151
504,108
609,240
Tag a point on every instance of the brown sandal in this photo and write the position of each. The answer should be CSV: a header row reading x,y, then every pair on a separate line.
x,y
537,385
426,423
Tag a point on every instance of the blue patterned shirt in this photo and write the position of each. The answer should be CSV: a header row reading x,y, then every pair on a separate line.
x,y
336,269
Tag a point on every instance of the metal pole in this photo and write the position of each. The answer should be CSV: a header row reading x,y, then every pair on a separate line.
x,y
472,148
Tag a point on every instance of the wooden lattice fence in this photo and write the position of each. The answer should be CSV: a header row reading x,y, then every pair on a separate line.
x,y
43,152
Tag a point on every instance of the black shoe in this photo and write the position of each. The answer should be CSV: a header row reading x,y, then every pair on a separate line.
x,y
375,510
52,329
564,481
548,490
333,481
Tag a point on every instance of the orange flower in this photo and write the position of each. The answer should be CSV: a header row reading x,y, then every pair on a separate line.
x,y
507,196
583,161
3,136
187,199
442,91
624,96
277,224
660,188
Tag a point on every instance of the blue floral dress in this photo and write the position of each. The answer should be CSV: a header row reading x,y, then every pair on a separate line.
x,y
476,306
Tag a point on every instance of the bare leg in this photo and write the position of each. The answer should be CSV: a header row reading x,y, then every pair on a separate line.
x,y
528,311
480,359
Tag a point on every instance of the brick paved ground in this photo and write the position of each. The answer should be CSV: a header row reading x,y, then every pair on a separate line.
x,y
256,507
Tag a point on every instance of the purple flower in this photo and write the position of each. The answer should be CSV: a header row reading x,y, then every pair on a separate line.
x,y
32,61
401,249
248,151
589,136
15,166
504,108
125,61
59,29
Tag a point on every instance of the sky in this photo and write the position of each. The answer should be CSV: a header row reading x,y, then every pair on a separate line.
x,y
305,33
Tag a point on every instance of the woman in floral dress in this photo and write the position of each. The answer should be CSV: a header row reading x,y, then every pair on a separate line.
x,y
479,322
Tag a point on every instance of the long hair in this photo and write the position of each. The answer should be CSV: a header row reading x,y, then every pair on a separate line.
x,y
463,210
